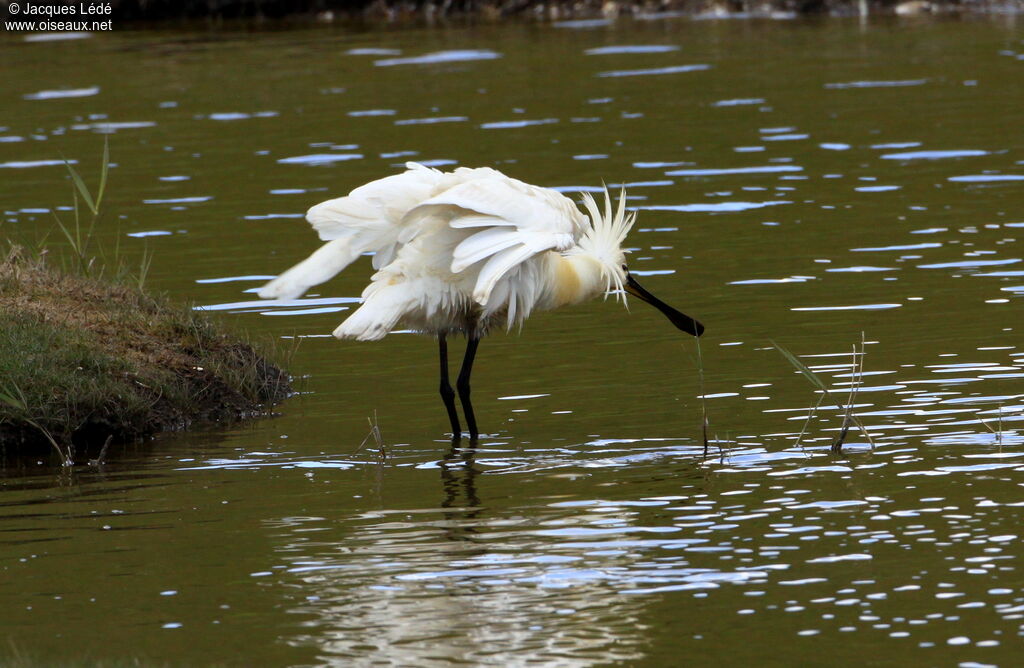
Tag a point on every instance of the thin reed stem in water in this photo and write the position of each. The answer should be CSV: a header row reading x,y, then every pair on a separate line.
x,y
997,432
377,437
814,379
810,416
703,399
837,444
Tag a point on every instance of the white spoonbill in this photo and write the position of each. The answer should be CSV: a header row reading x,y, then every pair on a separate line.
x,y
465,252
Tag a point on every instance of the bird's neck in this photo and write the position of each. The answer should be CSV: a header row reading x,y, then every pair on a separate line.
x,y
574,278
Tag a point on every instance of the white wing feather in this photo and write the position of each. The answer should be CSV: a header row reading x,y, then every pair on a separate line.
x,y
516,222
496,267
377,206
321,266
438,238
483,244
368,219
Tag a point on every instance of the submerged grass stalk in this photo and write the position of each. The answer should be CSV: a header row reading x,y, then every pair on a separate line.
x,y
998,431
377,437
703,400
837,444
814,379
810,416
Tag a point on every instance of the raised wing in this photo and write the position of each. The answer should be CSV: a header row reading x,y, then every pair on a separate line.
x,y
367,219
510,221
373,213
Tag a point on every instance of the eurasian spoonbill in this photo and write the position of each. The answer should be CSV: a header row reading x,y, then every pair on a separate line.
x,y
465,252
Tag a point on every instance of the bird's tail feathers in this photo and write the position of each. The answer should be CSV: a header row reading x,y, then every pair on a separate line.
x,y
323,265
378,315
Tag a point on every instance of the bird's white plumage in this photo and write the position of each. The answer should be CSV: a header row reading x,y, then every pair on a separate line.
x,y
459,251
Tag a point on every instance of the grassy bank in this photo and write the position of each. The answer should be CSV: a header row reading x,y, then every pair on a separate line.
x,y
87,356
83,359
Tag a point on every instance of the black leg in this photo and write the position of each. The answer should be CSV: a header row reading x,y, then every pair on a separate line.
x,y
463,384
447,393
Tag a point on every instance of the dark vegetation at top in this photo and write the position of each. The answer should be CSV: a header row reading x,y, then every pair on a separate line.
x,y
431,10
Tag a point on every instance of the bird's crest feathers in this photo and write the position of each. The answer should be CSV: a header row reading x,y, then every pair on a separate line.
x,y
604,239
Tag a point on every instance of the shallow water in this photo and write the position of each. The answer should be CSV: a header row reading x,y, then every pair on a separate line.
x,y
796,182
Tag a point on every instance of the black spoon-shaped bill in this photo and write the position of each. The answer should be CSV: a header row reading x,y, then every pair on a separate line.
x,y
677,318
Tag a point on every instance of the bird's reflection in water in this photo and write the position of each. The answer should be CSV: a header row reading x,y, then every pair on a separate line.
x,y
458,482
455,584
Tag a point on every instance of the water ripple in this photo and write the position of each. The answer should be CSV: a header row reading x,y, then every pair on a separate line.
x,y
898,247
764,169
675,69
967,264
63,93
640,48
877,84
451,56
933,155
739,101
503,125
987,178
717,207
28,164
317,159
856,307
431,120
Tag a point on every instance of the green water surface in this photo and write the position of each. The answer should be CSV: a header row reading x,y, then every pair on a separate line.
x,y
802,182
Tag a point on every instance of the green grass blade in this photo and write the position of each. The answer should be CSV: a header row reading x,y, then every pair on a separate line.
x,y
67,233
13,402
103,172
144,264
7,395
83,190
76,244
801,367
